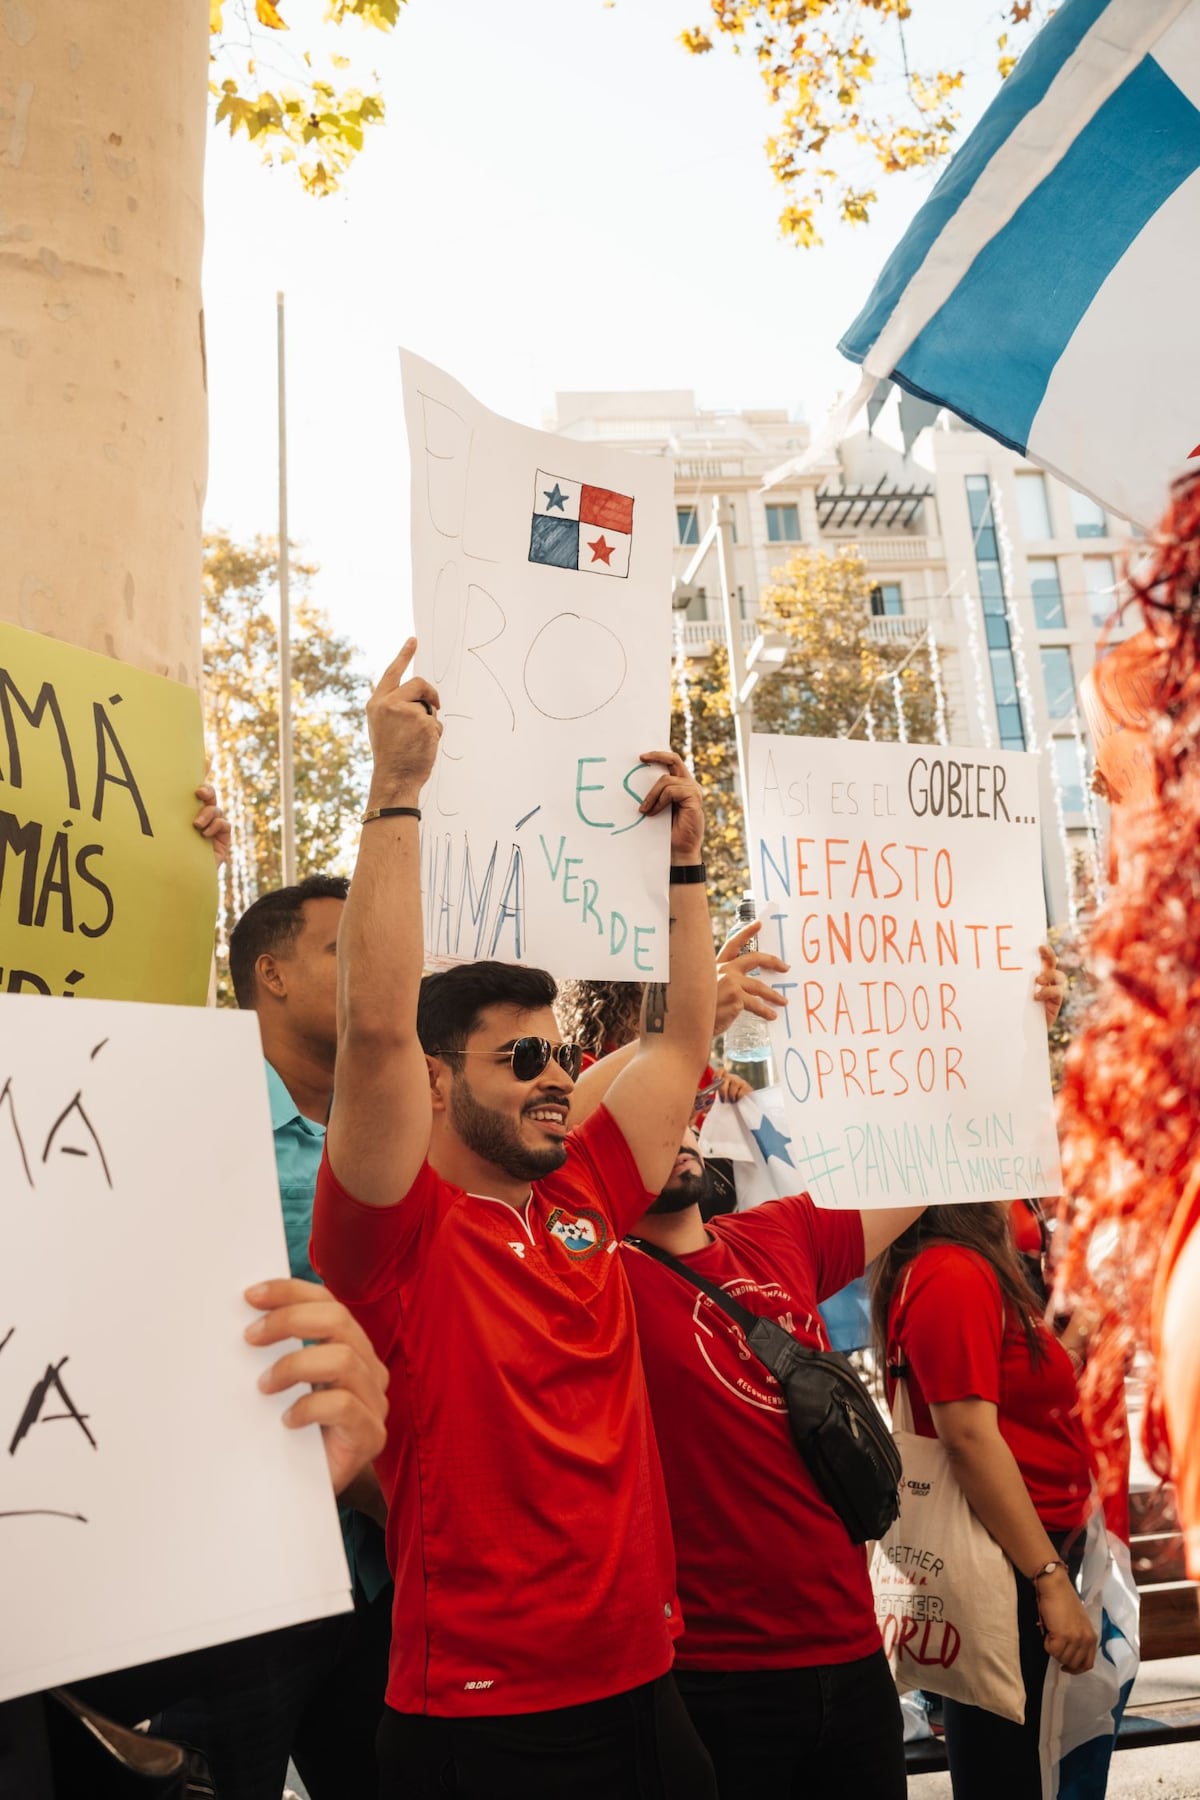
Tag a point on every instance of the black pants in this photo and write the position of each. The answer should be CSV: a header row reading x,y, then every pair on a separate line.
x,y
992,1758
637,1745
314,1693
801,1734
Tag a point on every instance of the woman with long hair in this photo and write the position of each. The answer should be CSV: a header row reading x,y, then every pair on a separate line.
x,y
600,1015
957,1321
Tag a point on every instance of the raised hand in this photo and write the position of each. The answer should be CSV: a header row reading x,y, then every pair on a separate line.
x,y
738,989
1050,985
405,731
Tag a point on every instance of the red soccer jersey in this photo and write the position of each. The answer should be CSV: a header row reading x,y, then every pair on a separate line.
x,y
768,1576
527,1524
949,1321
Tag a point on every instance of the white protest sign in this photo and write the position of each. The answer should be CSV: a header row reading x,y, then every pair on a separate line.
x,y
541,593
151,1502
903,884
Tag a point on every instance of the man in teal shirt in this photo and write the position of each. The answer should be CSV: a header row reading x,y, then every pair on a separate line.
x,y
319,1697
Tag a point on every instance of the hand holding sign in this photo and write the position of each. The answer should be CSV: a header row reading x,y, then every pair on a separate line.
x,y
677,790
212,824
1050,985
348,1397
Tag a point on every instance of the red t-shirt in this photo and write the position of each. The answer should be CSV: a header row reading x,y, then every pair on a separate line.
x,y
527,1525
768,1576
949,1321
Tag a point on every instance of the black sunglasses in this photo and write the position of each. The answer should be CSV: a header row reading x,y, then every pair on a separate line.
x,y
528,1056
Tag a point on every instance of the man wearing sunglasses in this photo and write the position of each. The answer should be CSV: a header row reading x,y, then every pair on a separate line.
x,y
476,1239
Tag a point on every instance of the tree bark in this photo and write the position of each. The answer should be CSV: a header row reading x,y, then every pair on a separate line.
x,y
103,412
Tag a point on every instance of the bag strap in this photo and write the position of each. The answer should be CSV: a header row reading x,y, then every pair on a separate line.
x,y
902,1412
733,1309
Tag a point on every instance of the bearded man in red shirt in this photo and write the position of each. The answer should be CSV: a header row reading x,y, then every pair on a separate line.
x,y
780,1662
477,1241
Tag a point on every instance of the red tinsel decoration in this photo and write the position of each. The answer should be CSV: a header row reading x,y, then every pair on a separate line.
x,y
1129,1112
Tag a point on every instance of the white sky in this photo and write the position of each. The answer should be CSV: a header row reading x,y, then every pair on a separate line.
x,y
562,198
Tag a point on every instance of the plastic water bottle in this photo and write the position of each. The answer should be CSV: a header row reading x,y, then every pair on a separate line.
x,y
747,1040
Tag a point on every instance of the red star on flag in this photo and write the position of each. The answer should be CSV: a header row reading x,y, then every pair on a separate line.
x,y
600,549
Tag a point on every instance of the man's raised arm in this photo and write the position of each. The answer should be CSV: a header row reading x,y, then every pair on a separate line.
x,y
379,1126
652,1099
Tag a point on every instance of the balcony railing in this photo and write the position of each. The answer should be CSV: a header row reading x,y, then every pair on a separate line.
x,y
883,549
700,635
895,629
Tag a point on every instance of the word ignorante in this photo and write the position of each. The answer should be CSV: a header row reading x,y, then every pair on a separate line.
x,y
48,880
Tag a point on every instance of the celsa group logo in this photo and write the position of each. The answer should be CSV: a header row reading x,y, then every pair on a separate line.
x,y
580,1233
919,1488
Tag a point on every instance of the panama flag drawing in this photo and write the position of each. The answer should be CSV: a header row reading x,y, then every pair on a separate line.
x,y
580,527
1046,290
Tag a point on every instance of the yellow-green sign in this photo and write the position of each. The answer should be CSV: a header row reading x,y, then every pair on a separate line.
x,y
105,889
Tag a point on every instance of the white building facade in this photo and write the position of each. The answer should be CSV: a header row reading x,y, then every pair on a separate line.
x,y
1012,573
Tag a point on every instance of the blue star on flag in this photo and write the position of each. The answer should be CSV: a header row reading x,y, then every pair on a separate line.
x,y
771,1141
555,497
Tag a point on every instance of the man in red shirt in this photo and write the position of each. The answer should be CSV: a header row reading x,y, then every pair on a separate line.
x,y
477,1241
780,1662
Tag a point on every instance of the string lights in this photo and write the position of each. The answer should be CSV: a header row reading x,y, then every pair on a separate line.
x,y
898,700
939,693
683,689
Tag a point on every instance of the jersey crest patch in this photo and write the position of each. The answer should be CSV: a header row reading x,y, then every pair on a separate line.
x,y
580,1233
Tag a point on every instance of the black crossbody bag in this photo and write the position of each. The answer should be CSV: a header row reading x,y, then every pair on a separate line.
x,y
836,1424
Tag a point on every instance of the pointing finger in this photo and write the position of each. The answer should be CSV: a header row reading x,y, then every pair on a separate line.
x,y
392,674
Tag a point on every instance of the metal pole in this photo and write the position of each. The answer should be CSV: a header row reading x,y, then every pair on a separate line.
x,y
742,710
286,773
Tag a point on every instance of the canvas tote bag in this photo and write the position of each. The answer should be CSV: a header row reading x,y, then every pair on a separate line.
x,y
945,1593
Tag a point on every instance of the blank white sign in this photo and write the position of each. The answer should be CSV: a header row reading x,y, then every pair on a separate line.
x,y
151,1502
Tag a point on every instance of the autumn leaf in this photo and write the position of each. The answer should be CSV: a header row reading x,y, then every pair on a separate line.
x,y
821,63
267,13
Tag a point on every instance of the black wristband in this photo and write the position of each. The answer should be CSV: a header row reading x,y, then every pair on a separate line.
x,y
390,812
688,874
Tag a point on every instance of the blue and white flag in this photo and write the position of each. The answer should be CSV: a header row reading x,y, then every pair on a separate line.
x,y
1046,291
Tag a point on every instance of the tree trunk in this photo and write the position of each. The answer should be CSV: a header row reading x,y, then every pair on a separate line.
x,y
103,428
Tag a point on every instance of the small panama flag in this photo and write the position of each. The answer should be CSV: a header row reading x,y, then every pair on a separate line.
x,y
580,527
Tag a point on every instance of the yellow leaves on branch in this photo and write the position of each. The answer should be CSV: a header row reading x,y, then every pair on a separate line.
x,y
838,71
309,123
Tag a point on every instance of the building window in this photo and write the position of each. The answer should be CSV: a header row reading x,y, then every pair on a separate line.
x,y
1100,580
1059,681
1069,770
1032,506
687,524
887,602
783,523
1088,516
1004,677
991,587
1047,594
995,618
697,609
